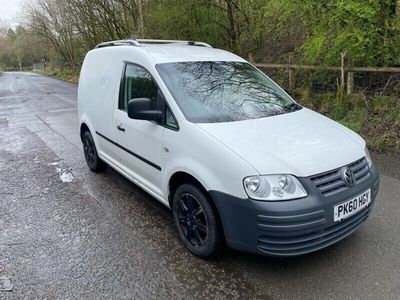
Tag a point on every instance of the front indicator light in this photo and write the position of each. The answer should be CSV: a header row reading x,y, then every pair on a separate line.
x,y
368,157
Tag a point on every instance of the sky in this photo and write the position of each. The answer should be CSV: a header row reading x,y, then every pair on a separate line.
x,y
9,10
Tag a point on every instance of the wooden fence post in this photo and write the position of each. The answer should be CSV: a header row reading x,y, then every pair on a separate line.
x,y
292,82
342,72
251,59
350,75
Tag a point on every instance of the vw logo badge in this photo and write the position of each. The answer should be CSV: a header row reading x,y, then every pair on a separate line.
x,y
348,177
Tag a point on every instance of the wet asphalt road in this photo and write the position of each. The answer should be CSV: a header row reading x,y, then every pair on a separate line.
x,y
68,233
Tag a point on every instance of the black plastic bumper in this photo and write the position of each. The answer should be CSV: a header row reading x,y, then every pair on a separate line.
x,y
290,228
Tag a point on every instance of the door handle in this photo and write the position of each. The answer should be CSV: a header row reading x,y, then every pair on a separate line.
x,y
120,128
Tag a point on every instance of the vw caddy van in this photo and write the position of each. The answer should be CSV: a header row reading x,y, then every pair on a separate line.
x,y
234,157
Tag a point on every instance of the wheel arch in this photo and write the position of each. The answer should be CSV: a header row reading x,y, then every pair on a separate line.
x,y
179,178
83,129
182,177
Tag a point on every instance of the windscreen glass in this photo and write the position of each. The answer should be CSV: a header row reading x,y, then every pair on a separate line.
x,y
212,91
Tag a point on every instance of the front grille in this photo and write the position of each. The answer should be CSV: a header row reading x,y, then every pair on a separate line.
x,y
288,242
331,182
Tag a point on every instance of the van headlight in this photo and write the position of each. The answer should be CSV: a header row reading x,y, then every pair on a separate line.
x,y
274,187
368,157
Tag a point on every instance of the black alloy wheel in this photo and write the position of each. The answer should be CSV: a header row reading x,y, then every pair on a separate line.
x,y
89,149
197,222
192,220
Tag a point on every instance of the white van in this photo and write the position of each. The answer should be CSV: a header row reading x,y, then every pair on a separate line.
x,y
236,158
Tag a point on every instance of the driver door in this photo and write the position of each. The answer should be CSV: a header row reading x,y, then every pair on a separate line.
x,y
140,140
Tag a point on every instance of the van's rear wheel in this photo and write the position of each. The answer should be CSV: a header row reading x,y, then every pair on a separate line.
x,y
197,222
92,158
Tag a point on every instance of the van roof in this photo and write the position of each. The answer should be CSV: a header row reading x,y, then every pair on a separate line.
x,y
178,51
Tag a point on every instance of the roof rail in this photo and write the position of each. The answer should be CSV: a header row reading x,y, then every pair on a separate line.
x,y
130,42
191,43
138,42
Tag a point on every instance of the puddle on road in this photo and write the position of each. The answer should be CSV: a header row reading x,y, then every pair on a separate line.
x,y
64,174
5,284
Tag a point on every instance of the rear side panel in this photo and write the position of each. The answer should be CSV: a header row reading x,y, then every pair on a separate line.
x,y
98,95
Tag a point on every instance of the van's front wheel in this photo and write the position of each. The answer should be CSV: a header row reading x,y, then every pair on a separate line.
x,y
92,158
197,222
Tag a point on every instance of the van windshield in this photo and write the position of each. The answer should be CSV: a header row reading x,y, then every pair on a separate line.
x,y
215,91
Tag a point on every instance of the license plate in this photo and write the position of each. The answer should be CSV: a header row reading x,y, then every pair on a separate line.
x,y
351,207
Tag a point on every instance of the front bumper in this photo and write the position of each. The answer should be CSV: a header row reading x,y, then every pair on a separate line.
x,y
290,228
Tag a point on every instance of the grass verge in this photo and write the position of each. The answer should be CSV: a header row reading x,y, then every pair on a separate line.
x,y
66,75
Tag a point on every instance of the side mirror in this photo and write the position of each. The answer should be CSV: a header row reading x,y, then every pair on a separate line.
x,y
140,109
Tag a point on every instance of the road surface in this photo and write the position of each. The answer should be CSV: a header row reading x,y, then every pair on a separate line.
x,y
68,233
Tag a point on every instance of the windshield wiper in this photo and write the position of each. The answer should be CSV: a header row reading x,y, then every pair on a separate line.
x,y
292,107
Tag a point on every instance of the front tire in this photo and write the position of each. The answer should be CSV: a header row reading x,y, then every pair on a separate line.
x,y
196,221
92,158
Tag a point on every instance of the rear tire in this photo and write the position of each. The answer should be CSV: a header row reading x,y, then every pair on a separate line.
x,y
197,221
92,158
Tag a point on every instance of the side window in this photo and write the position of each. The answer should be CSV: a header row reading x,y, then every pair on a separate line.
x,y
169,119
137,83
